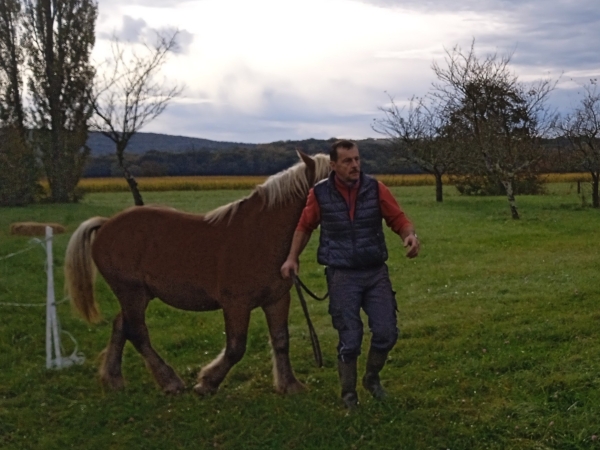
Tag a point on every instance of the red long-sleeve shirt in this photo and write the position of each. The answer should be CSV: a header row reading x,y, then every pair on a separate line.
x,y
390,210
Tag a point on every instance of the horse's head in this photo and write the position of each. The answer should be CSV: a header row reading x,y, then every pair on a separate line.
x,y
317,166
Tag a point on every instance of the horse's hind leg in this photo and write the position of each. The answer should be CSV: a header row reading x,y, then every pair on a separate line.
x,y
277,319
110,370
134,302
236,329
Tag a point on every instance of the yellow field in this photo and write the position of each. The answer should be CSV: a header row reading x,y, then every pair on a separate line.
x,y
566,177
410,180
429,180
195,183
201,183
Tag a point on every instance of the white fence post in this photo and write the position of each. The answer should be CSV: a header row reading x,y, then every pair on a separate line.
x,y
54,359
49,296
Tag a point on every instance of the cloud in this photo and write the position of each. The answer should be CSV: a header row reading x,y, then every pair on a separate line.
x,y
486,6
548,39
184,41
256,72
555,34
438,6
137,31
133,29
281,115
147,3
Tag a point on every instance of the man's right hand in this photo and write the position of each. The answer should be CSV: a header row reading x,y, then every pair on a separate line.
x,y
289,266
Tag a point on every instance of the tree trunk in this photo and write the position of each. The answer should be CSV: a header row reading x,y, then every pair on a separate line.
x,y
508,185
58,191
133,186
595,197
137,197
439,193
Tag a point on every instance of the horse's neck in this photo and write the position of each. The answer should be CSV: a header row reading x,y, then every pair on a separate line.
x,y
278,223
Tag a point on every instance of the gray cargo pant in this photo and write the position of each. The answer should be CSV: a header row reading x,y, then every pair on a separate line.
x,y
369,289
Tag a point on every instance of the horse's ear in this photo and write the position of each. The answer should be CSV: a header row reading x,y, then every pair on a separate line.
x,y
308,160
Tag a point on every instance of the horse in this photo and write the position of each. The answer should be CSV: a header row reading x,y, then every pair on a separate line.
x,y
227,259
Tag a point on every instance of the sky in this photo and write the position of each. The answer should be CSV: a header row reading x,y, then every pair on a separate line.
x,y
259,71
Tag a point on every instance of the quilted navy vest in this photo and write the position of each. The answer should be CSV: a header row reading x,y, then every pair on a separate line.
x,y
350,244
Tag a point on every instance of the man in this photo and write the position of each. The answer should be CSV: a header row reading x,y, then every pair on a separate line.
x,y
350,206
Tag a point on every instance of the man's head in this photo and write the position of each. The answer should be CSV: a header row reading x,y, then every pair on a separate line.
x,y
345,161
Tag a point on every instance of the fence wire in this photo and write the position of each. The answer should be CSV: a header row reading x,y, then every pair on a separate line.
x,y
60,361
33,243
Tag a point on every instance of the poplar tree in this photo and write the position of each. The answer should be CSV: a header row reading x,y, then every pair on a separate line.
x,y
18,171
60,38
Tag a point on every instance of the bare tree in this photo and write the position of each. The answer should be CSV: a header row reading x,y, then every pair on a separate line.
x,y
582,129
421,136
501,121
127,96
60,36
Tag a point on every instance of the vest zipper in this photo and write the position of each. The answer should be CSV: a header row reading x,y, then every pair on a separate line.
x,y
354,255
350,219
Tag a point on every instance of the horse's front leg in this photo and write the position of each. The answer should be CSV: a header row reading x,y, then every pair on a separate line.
x,y
277,319
210,377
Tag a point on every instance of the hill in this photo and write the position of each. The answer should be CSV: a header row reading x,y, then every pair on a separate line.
x,y
163,155
144,142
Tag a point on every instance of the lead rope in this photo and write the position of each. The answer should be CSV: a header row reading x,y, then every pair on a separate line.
x,y
314,340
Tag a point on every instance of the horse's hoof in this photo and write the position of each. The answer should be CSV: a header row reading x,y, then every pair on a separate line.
x,y
203,388
175,387
113,383
294,388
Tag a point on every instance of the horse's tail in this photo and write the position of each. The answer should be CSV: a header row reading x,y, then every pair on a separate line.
x,y
80,271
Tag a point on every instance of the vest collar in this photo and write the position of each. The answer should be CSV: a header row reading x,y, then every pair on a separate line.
x,y
341,185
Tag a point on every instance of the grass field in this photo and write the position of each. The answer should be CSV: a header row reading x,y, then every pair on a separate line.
x,y
499,344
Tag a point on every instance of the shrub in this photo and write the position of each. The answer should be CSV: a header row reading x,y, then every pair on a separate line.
x,y
484,185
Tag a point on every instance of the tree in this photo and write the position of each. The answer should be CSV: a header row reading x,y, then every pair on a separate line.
x,y
11,65
499,120
18,169
582,129
60,37
127,96
420,135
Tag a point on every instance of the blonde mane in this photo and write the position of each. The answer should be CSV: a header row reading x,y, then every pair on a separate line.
x,y
277,190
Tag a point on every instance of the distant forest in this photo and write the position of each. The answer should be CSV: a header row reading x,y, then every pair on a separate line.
x,y
239,159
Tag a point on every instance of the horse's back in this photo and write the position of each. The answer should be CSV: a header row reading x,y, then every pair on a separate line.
x,y
193,264
171,254
136,230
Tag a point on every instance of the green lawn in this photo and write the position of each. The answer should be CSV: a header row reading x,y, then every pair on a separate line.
x,y
499,343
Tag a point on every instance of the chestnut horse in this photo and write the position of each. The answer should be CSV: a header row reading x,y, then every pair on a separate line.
x,y
228,259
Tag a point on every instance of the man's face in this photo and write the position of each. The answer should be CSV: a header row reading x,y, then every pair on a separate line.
x,y
347,166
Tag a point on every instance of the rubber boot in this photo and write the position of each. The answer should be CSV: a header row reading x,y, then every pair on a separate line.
x,y
347,372
375,362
